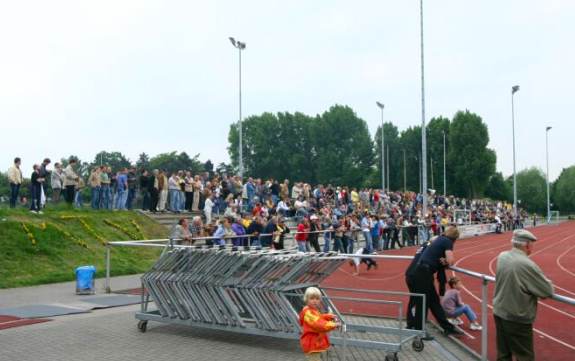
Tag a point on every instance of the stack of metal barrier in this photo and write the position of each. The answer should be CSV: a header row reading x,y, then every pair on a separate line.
x,y
235,288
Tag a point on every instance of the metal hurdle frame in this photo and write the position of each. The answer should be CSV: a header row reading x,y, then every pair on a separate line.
x,y
230,284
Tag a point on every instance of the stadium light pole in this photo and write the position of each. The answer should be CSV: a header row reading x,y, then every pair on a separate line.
x,y
240,46
514,89
388,186
381,106
444,167
423,130
547,156
404,173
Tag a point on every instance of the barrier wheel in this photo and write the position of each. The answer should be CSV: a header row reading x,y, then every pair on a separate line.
x,y
391,357
142,326
417,345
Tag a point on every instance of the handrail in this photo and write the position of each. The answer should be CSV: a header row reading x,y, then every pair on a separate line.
x,y
556,297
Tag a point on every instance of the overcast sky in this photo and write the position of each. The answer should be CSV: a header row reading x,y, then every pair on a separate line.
x,y
77,77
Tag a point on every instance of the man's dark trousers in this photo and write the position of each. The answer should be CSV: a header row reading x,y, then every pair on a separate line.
x,y
514,339
421,281
14,190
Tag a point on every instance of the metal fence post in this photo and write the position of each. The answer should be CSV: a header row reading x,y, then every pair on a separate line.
x,y
107,283
484,296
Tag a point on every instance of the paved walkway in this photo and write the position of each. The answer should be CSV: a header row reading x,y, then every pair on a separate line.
x,y
111,334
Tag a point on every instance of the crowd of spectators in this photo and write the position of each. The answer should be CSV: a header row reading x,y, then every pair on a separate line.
x,y
226,207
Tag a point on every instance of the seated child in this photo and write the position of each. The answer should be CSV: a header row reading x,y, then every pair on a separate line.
x,y
356,261
451,303
315,325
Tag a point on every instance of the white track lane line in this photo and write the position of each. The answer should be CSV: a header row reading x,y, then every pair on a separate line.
x,y
558,261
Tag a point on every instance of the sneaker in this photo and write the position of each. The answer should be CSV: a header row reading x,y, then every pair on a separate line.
x,y
40,212
453,321
459,321
476,327
32,211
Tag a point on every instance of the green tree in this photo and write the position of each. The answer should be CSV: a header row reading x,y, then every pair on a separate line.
x,y
470,161
532,190
143,161
498,189
116,160
173,162
410,141
342,147
564,190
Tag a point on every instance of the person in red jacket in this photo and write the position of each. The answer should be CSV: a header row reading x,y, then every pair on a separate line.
x,y
302,235
315,325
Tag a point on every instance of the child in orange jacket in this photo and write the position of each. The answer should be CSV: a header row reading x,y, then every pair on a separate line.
x,y
315,325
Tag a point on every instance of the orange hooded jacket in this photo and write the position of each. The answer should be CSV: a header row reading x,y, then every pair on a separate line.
x,y
314,329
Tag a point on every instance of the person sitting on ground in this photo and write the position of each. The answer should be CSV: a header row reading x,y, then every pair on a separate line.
x,y
315,325
356,261
454,307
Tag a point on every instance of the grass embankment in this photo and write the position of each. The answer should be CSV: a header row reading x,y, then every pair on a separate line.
x,y
37,249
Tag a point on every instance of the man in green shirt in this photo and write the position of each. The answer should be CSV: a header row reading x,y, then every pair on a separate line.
x,y
519,284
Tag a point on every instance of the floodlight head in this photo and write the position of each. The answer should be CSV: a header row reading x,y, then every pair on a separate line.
x,y
233,41
380,105
548,128
514,89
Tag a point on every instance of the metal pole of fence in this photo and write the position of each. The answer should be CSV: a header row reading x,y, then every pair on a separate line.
x,y
107,283
484,339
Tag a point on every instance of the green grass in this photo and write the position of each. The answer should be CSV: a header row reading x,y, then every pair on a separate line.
x,y
55,255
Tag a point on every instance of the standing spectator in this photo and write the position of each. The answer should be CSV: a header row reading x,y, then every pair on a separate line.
x,y
70,181
56,179
104,188
419,278
132,179
78,199
197,195
174,189
122,188
223,232
15,180
281,230
95,183
209,207
301,235
44,174
162,190
366,226
189,190
36,190
145,181
181,232
239,230
313,236
197,227
255,229
519,283
154,191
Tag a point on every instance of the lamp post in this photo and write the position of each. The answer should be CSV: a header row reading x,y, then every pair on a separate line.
x,y
240,46
404,173
388,184
547,156
444,167
514,89
423,130
381,106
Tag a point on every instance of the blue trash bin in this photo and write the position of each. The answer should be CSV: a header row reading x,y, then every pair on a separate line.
x,y
85,281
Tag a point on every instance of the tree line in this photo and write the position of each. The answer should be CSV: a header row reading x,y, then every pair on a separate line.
x,y
335,147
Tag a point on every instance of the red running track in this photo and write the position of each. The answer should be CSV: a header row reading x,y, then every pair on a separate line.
x,y
554,253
